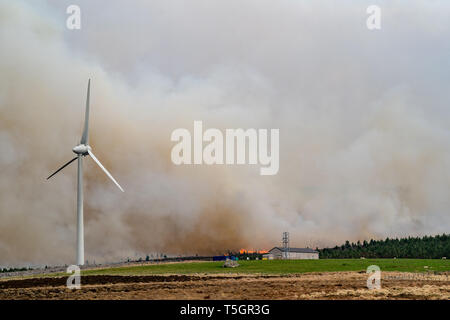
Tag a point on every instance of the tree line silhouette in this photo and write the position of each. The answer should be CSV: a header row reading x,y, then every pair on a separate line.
x,y
427,247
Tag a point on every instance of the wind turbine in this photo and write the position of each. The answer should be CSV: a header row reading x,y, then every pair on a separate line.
x,y
82,150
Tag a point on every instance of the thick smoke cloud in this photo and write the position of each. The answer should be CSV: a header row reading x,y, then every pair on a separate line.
x,y
363,118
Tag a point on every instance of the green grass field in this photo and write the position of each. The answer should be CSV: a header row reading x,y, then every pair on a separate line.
x,y
281,267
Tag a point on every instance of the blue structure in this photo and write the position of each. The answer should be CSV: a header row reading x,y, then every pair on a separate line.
x,y
219,258
223,258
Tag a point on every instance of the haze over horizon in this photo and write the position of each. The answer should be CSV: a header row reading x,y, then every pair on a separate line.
x,y
363,116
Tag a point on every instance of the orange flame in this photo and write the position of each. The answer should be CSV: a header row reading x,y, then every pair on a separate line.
x,y
242,251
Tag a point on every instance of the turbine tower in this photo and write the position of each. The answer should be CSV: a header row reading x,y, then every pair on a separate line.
x,y
82,150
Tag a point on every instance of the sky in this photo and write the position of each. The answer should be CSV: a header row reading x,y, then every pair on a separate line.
x,y
363,116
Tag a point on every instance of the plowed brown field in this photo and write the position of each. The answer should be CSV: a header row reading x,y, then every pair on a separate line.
x,y
330,285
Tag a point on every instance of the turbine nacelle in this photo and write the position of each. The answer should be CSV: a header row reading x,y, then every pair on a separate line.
x,y
82,149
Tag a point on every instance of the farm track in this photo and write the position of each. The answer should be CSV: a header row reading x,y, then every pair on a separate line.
x,y
325,285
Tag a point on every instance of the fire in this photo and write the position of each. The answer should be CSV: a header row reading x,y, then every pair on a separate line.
x,y
242,251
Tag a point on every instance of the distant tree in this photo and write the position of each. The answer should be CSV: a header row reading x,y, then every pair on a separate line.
x,y
427,247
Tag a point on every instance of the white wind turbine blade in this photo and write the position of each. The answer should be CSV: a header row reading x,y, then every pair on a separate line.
x,y
65,165
106,171
85,137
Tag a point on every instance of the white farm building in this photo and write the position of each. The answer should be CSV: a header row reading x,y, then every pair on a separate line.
x,y
291,253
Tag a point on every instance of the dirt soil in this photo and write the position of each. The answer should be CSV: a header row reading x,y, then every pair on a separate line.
x,y
327,285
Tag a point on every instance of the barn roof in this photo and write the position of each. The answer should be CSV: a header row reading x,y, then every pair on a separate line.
x,y
296,250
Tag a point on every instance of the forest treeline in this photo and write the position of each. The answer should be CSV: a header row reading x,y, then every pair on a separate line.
x,y
427,247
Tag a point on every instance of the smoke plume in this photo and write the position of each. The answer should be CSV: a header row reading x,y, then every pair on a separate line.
x,y
363,118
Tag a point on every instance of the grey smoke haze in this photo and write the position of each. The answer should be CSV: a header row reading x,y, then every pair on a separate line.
x,y
364,124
